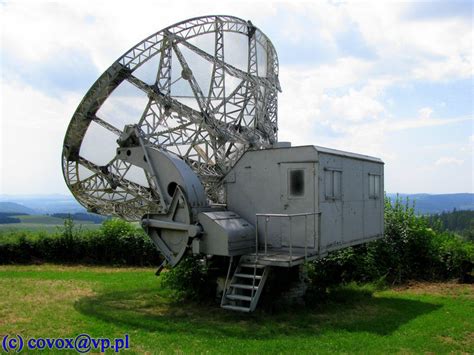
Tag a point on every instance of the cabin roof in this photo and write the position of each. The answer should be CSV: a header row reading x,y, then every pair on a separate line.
x,y
348,154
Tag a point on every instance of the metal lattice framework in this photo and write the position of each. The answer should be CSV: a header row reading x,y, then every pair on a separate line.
x,y
210,128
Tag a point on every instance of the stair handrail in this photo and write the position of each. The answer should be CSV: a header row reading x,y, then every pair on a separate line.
x,y
224,291
289,216
253,280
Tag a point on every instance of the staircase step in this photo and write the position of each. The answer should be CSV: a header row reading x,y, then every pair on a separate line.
x,y
258,266
239,298
243,280
236,308
245,287
248,276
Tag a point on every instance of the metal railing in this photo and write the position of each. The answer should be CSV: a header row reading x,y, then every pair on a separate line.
x,y
268,216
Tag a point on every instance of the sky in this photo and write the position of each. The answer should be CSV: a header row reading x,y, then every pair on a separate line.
x,y
388,79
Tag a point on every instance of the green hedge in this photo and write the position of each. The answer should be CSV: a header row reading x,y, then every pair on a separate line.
x,y
410,250
116,243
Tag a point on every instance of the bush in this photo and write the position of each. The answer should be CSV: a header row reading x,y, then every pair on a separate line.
x,y
410,250
117,242
454,257
191,279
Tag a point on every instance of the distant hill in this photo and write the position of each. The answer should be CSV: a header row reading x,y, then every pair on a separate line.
x,y
44,210
44,204
50,204
429,204
13,207
10,217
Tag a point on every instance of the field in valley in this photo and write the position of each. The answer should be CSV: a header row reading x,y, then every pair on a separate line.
x,y
44,223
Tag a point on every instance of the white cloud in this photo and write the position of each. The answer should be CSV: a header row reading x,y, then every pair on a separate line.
x,y
38,30
355,106
448,161
386,26
304,100
451,68
358,117
308,19
342,104
425,112
428,49
32,132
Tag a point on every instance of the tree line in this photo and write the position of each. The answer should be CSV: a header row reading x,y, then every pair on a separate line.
x,y
460,222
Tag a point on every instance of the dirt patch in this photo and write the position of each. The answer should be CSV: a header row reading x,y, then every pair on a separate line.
x,y
12,320
446,339
466,341
57,290
452,289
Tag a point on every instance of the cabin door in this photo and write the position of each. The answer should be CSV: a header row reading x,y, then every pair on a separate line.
x,y
298,187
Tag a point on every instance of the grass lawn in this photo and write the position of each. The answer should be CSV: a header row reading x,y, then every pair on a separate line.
x,y
54,301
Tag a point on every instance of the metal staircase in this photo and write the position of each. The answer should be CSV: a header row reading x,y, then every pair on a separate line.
x,y
245,287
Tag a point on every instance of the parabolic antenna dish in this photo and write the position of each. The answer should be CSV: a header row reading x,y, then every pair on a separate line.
x,y
204,89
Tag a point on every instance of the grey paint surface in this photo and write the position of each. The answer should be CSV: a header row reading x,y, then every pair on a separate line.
x,y
225,233
303,233
259,183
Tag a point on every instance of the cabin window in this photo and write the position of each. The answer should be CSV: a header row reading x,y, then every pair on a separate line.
x,y
333,183
374,186
296,182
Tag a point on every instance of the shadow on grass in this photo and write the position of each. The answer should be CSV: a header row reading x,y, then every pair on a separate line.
x,y
349,310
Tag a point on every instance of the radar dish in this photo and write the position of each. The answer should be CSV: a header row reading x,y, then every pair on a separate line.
x,y
204,89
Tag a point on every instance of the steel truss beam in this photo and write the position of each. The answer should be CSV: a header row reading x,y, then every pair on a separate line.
x,y
210,138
